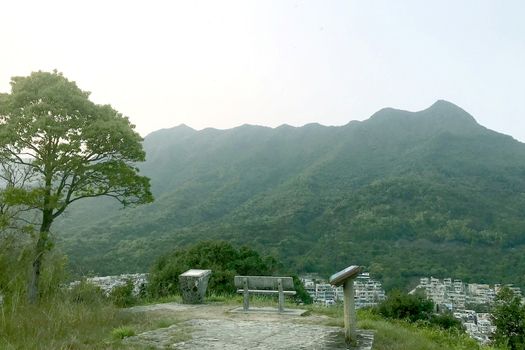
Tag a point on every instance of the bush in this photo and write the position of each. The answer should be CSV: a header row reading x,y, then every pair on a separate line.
x,y
16,250
86,293
411,307
221,257
302,295
446,321
123,296
122,332
508,315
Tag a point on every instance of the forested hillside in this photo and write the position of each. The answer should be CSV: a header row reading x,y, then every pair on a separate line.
x,y
405,194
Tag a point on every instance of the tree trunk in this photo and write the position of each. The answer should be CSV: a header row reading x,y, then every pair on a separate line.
x,y
41,247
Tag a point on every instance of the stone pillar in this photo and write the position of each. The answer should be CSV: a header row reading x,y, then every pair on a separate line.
x,y
193,284
349,305
346,279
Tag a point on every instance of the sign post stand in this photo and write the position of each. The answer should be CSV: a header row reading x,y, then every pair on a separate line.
x,y
346,279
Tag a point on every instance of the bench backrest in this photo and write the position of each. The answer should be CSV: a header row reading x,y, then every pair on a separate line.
x,y
264,282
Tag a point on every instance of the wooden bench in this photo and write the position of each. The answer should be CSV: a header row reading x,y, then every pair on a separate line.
x,y
264,285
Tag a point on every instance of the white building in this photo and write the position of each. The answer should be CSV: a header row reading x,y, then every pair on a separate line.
x,y
368,292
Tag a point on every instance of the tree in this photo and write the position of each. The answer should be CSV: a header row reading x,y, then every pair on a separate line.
x,y
221,257
71,147
411,307
508,315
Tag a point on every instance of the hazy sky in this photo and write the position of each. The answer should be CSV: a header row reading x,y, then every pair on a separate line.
x,y
226,63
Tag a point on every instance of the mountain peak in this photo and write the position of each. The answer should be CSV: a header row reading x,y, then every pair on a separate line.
x,y
183,127
441,116
444,105
448,111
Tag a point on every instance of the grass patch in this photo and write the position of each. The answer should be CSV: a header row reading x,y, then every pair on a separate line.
x,y
122,332
61,325
400,335
163,323
183,334
71,323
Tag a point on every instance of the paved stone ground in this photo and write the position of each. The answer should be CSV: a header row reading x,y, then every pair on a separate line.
x,y
214,327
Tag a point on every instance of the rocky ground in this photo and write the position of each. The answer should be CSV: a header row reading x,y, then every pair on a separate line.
x,y
217,327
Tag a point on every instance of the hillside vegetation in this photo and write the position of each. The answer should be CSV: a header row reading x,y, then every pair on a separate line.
x,y
403,193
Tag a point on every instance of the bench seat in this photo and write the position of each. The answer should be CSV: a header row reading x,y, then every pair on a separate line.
x,y
264,285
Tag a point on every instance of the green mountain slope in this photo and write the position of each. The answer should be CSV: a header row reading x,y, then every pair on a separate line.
x,y
403,193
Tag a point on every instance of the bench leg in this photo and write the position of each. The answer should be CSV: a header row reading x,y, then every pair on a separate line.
x,y
281,295
246,296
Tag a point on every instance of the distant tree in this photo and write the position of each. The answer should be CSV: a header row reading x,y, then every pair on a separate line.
x,y
446,321
411,307
70,147
123,295
219,256
508,315
222,258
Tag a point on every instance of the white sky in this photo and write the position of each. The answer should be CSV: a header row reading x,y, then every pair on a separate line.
x,y
226,63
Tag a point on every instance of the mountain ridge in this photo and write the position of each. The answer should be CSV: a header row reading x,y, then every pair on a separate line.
x,y
394,186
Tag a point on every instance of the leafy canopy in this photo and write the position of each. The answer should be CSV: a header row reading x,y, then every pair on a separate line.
x,y
508,315
225,261
221,257
410,307
73,147
65,148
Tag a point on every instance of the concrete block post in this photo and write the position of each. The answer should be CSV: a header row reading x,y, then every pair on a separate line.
x,y
346,279
349,311
193,284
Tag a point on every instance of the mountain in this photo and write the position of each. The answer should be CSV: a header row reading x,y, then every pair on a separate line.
x,y
406,194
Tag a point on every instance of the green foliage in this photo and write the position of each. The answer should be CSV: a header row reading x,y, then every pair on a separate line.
x,y
401,335
411,307
219,256
301,295
416,308
223,259
123,332
15,260
67,149
394,334
87,149
86,293
508,315
122,296
63,322
446,321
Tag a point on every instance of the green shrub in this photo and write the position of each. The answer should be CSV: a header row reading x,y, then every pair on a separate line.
x,y
508,315
122,296
302,295
86,293
446,321
122,332
411,307
223,259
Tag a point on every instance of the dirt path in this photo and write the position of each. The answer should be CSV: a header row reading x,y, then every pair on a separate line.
x,y
215,327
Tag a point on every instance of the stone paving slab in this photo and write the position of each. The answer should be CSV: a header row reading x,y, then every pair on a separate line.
x,y
165,306
216,327
241,334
